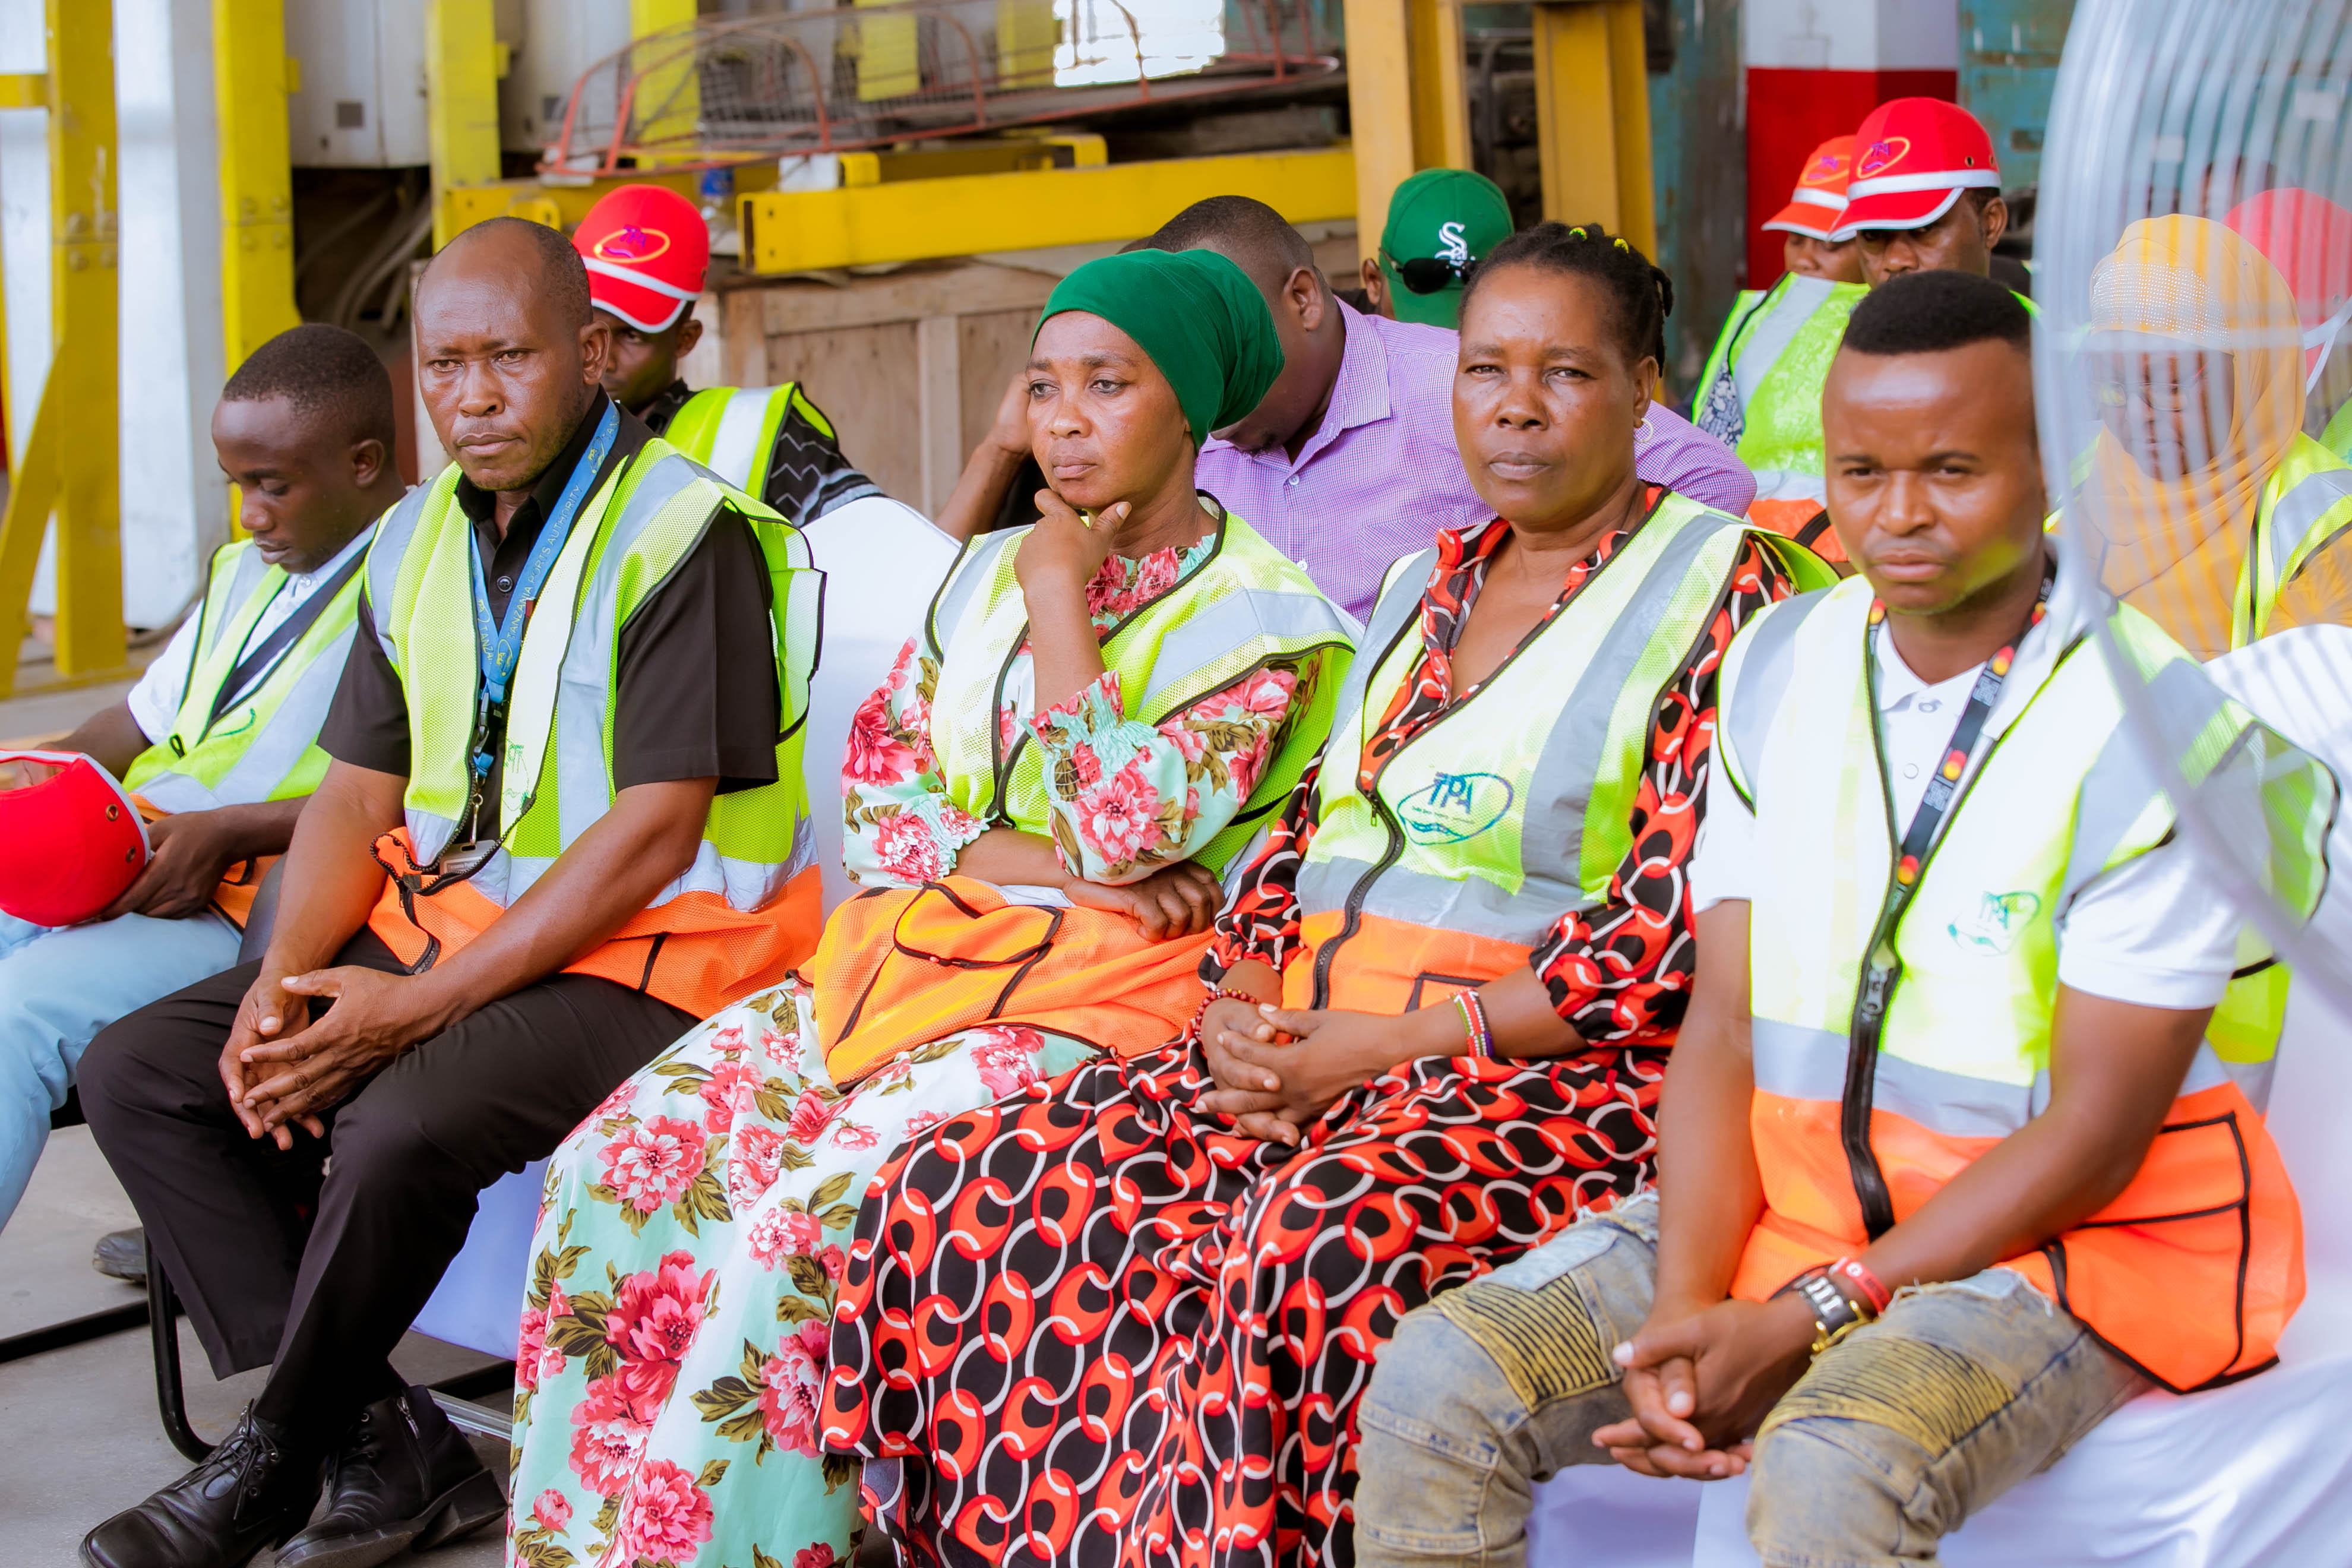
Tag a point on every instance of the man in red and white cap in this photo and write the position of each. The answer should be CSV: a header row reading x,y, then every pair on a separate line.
x,y
1816,209
1925,194
648,255
1760,394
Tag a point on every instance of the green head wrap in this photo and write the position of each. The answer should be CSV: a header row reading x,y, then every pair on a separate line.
x,y
1198,316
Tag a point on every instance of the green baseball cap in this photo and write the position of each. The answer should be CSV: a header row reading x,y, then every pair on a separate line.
x,y
1447,216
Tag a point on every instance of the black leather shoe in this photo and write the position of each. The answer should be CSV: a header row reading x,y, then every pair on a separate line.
x,y
255,1491
403,1477
122,1254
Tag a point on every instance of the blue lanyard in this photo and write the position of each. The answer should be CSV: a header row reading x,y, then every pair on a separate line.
x,y
498,645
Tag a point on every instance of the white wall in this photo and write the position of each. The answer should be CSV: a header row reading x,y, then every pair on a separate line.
x,y
1851,34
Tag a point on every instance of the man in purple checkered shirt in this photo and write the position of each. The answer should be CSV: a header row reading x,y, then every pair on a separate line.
x,y
1349,462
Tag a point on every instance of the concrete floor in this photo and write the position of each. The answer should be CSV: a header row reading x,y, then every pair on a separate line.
x,y
89,1409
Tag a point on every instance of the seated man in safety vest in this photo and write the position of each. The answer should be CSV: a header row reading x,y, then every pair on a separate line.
x,y
218,739
571,735
1760,394
647,255
1949,1033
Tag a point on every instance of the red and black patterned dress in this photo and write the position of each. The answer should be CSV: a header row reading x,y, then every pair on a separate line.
x,y
1092,1325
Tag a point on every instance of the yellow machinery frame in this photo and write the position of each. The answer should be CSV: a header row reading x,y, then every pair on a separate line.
x,y
1593,116
911,220
251,77
1403,54
77,480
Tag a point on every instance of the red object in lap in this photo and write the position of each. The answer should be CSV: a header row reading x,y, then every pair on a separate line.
x,y
68,845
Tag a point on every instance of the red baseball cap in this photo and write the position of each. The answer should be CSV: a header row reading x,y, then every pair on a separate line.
x,y
647,253
68,845
1820,196
2309,240
1912,159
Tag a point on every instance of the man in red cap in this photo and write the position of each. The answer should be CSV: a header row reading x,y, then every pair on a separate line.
x,y
1925,194
1760,394
647,255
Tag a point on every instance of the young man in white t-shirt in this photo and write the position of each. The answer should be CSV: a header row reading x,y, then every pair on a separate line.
x,y
304,429
1946,1037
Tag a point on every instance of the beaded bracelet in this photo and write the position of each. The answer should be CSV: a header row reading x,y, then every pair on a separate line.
x,y
1474,1024
1220,994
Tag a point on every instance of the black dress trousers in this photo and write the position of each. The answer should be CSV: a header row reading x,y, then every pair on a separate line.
x,y
318,1259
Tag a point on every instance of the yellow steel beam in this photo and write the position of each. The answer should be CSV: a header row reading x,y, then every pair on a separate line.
x,y
32,496
910,220
23,90
250,84
1380,110
669,97
82,377
1593,116
1441,116
461,104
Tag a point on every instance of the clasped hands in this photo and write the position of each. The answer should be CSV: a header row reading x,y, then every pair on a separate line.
x,y
1279,1068
1701,1379
283,1071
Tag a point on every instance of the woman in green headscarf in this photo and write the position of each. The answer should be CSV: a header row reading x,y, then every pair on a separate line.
x,y
1096,717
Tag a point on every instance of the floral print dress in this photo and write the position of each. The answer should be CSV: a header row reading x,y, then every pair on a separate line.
x,y
693,1228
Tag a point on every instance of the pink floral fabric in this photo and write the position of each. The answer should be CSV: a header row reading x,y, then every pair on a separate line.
x,y
692,1236
1127,797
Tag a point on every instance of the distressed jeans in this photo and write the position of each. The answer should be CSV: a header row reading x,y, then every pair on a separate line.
x,y
1891,1440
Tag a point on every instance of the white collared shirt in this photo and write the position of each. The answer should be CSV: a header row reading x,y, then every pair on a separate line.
x,y
155,701
2153,932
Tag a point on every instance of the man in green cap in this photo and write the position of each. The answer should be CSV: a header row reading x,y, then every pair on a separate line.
x,y
1440,221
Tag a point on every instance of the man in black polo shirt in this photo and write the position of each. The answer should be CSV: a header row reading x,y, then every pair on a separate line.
x,y
534,946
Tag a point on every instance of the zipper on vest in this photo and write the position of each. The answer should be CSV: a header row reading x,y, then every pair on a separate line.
x,y
1352,918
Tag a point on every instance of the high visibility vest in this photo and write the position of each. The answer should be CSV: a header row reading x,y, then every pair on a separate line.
x,y
1761,393
1242,608
1481,831
747,910
2304,507
2337,435
731,430
2194,1269
264,746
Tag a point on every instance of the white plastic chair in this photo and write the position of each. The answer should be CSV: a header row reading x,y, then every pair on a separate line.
x,y
2256,1474
883,561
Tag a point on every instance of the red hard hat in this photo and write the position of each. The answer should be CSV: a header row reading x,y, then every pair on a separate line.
x,y
68,845
1912,159
647,254
2309,240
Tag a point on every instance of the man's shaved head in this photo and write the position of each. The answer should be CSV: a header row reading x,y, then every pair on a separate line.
x,y
1249,233
561,277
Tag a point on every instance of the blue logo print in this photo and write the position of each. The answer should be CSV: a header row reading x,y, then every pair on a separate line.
x,y
1454,807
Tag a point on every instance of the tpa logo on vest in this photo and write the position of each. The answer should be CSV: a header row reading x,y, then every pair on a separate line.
x,y
1997,920
1454,807
1881,156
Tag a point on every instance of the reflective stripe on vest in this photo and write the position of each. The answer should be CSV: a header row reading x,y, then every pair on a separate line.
x,y
1241,609
1774,360
2304,507
557,763
731,430
1520,813
2058,796
265,746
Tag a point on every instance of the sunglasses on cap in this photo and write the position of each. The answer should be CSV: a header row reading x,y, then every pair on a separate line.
x,y
1426,274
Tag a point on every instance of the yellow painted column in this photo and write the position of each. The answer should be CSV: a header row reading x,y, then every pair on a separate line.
x,y
1593,116
1440,115
462,102
250,83
668,103
82,374
1380,111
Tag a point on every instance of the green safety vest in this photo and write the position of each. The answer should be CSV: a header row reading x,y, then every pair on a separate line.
x,y
558,764
265,746
1240,609
1761,391
2337,436
731,430
1520,813
2305,506
2060,798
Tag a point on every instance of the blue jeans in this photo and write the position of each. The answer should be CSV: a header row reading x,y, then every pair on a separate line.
x,y
1492,1388
59,987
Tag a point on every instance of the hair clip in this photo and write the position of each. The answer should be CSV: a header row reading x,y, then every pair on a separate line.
x,y
1577,231
1622,246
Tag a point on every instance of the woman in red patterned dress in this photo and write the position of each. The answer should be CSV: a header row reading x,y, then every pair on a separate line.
x,y
1126,1315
